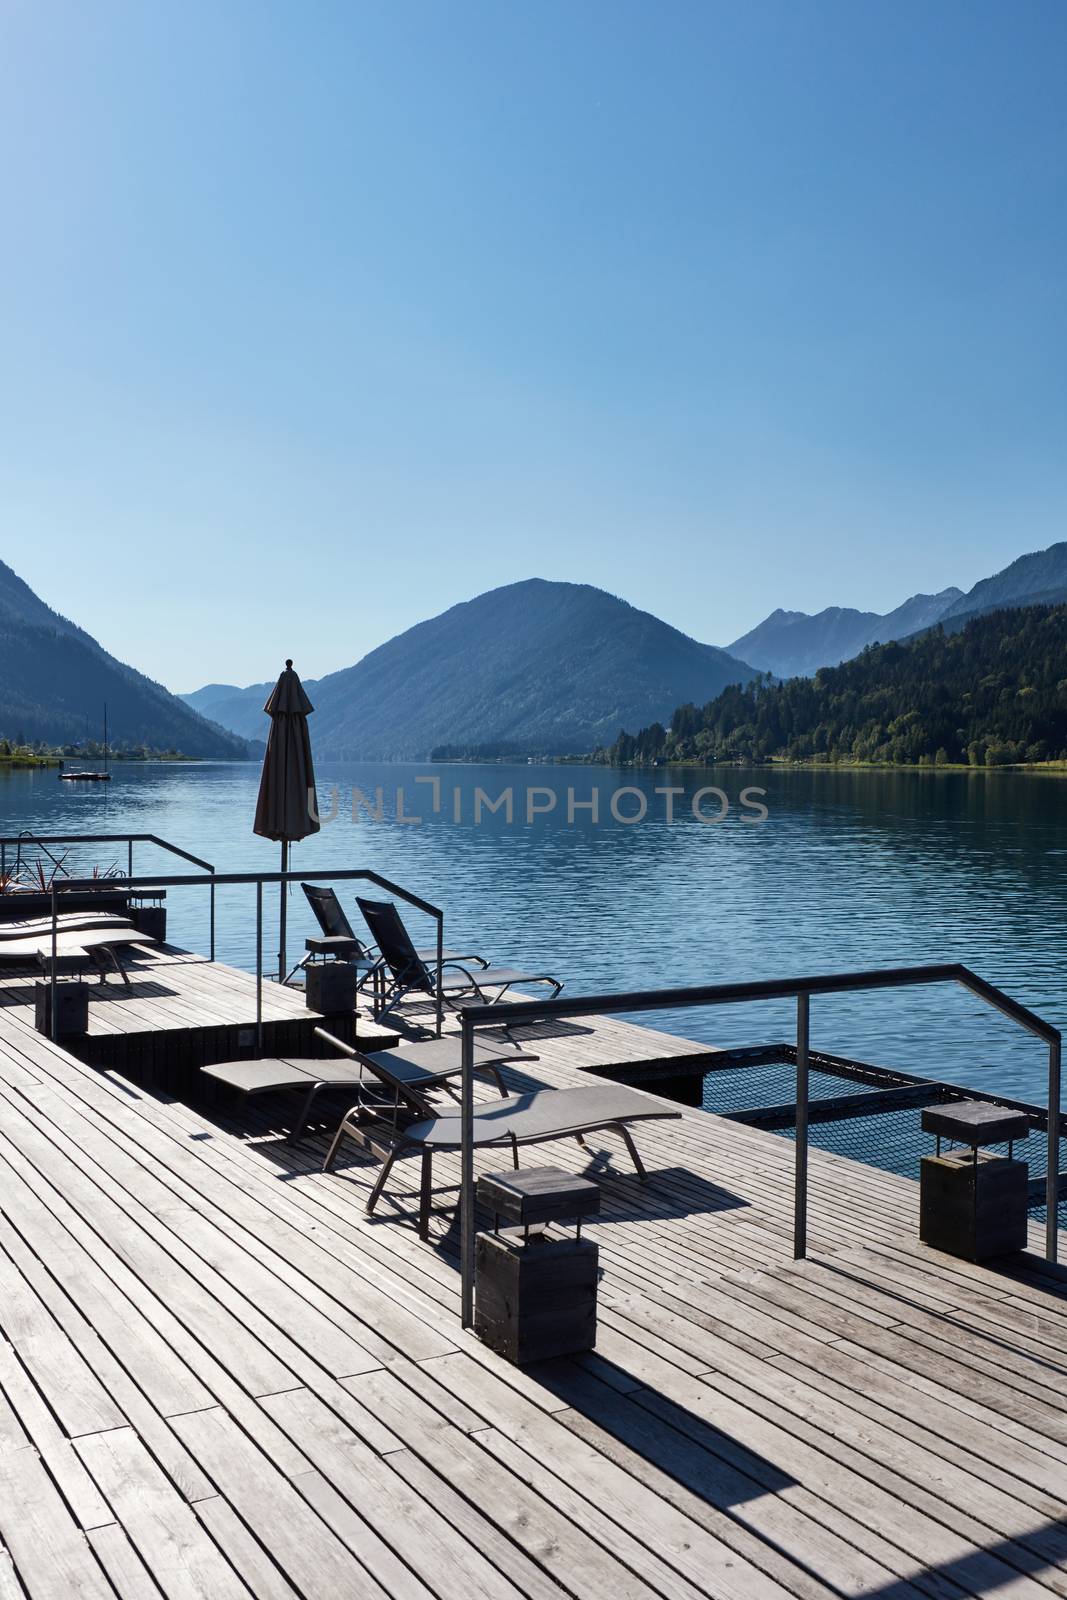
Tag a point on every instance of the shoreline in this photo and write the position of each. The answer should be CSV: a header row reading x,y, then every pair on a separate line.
x,y
1053,769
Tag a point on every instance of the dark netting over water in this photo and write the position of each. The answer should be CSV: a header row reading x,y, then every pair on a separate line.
x,y
894,1141
889,1136
769,1083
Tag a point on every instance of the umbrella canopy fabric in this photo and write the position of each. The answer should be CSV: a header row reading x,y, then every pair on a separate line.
x,y
286,808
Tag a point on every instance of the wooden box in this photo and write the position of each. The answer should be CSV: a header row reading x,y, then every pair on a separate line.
x,y
973,1208
976,1122
151,920
538,1195
330,986
535,1300
72,1008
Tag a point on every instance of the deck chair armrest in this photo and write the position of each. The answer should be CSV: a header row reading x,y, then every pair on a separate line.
x,y
429,960
378,1134
459,967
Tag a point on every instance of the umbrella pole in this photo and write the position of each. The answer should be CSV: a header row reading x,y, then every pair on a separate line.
x,y
283,886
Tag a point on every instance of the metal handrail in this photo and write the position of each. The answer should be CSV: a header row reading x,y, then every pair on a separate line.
x,y
259,879
508,1013
128,839
102,838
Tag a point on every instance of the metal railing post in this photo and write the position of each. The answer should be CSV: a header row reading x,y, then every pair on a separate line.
x,y
212,918
129,857
439,996
259,967
1052,1178
53,997
466,1178
800,1154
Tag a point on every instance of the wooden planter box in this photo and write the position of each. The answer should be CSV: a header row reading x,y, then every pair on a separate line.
x,y
973,1209
72,1008
330,986
536,1300
151,920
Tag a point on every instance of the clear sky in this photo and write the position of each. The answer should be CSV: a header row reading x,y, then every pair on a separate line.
x,y
318,317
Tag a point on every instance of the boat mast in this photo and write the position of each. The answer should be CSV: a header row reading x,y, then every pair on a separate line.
x,y
105,735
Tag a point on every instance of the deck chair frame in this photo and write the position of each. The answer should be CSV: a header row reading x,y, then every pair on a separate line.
x,y
411,972
391,1139
313,1077
340,940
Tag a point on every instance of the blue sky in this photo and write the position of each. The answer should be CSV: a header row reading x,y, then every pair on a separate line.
x,y
317,318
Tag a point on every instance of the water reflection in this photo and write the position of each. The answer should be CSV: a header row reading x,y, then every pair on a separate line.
x,y
850,870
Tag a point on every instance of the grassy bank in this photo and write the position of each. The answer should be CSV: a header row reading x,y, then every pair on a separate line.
x,y
28,759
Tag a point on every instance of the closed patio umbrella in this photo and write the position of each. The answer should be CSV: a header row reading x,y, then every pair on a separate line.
x,y
286,808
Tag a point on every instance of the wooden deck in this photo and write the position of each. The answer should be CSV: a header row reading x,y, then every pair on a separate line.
x,y
179,1012
219,1378
182,1011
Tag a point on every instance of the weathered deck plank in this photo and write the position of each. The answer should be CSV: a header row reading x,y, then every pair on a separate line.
x,y
217,1371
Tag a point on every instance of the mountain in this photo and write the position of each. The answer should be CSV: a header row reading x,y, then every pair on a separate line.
x,y
915,615
795,644
212,694
240,710
1036,579
54,675
992,693
536,667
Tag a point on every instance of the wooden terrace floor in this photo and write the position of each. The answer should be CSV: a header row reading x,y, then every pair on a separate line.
x,y
207,1010
178,1011
219,1378
170,989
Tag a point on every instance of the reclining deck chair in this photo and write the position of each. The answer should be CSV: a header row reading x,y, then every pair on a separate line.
x,y
15,928
95,948
412,1126
102,959
340,940
412,972
421,1065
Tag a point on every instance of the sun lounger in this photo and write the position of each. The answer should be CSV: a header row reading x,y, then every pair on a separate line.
x,y
95,949
69,943
103,959
337,930
411,973
420,1065
15,928
539,1117
338,939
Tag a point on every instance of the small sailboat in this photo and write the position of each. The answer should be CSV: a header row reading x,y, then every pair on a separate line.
x,y
81,775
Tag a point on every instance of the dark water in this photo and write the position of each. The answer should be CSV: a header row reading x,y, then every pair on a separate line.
x,y
849,870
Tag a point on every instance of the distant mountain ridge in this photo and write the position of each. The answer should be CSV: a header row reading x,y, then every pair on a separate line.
x,y
233,707
549,668
557,668
989,694
54,675
1039,578
794,644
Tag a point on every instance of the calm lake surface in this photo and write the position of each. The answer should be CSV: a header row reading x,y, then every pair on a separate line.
x,y
849,870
